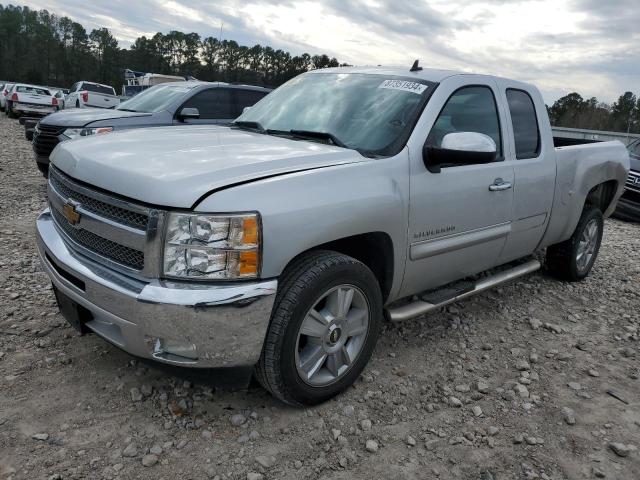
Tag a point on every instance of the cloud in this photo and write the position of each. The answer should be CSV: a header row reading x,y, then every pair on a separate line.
x,y
588,46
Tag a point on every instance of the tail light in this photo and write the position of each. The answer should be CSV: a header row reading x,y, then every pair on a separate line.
x,y
85,97
14,97
54,101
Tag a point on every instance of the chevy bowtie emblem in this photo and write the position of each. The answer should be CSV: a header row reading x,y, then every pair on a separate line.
x,y
70,213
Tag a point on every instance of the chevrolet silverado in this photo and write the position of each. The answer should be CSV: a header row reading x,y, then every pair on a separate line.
x,y
278,245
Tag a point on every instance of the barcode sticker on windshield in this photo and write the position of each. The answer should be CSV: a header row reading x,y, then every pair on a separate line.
x,y
405,86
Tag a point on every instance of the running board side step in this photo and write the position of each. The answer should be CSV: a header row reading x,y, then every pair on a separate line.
x,y
420,307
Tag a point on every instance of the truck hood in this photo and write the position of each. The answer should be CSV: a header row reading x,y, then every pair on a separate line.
x,y
176,166
81,117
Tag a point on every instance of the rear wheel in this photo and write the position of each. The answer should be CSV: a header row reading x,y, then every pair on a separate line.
x,y
573,259
324,327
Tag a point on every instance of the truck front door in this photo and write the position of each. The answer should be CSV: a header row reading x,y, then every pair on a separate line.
x,y
459,218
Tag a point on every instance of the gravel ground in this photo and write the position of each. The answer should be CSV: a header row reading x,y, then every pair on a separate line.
x,y
509,385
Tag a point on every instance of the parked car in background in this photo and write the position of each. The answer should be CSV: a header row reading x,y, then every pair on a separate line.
x,y
29,124
89,94
4,91
25,99
179,103
277,245
629,204
60,94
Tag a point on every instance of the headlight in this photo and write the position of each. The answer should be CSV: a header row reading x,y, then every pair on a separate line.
x,y
72,133
222,247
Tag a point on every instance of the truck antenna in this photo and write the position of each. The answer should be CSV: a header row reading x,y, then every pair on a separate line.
x,y
416,67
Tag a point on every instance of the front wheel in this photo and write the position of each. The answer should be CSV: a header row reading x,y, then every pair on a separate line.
x,y
324,327
573,259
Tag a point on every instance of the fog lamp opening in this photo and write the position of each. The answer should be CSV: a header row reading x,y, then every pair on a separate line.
x,y
165,346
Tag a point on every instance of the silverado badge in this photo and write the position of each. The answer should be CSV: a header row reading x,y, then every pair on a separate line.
x,y
70,213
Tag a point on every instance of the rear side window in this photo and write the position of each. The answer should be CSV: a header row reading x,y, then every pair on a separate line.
x,y
215,103
92,87
525,124
247,98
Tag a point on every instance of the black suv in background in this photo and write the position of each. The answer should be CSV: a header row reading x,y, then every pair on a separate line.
x,y
629,204
176,103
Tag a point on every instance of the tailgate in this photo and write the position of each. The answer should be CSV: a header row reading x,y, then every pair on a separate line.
x,y
34,99
100,100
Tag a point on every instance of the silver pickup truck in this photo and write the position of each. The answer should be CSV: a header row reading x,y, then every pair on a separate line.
x,y
278,245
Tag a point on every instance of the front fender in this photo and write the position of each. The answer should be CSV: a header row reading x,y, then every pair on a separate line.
x,y
302,210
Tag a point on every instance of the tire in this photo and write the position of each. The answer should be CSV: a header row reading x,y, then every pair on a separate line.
x,y
315,280
43,168
566,260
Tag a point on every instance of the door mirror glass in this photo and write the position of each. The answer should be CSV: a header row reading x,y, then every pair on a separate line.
x,y
189,112
460,148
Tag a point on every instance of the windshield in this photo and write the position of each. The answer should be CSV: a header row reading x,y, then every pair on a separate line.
x,y
154,99
634,148
373,114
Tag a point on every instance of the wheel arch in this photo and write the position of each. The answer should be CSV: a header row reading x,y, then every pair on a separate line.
x,y
374,249
602,195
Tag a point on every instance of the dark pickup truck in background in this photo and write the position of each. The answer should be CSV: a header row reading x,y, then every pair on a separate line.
x,y
629,204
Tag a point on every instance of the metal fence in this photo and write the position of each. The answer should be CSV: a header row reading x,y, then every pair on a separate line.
x,y
594,135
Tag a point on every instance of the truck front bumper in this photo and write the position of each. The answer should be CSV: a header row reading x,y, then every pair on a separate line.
x,y
219,325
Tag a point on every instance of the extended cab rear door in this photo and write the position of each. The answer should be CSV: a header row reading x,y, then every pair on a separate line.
x,y
531,152
458,220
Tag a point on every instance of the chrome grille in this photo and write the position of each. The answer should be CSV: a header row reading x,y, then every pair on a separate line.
x,y
101,246
633,181
120,215
121,234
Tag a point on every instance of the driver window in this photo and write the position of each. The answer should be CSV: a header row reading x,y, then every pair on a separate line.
x,y
470,109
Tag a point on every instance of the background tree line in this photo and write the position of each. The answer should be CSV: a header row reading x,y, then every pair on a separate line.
x,y
573,111
39,47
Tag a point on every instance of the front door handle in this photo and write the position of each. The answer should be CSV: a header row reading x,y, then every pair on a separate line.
x,y
499,185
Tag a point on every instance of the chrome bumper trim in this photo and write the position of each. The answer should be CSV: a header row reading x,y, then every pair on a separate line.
x,y
227,323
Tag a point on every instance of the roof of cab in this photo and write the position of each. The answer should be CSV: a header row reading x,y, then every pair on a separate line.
x,y
429,74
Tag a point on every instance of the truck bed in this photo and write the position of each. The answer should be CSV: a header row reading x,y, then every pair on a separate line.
x,y
580,167
569,142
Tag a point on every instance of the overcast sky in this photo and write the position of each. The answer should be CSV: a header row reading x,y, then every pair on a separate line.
x,y
589,46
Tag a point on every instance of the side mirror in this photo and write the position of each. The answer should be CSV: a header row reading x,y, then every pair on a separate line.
x,y
188,112
459,148
245,110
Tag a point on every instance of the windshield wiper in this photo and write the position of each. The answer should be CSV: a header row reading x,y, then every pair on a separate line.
x,y
127,110
320,136
249,124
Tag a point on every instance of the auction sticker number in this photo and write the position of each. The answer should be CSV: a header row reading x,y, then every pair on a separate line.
x,y
404,86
